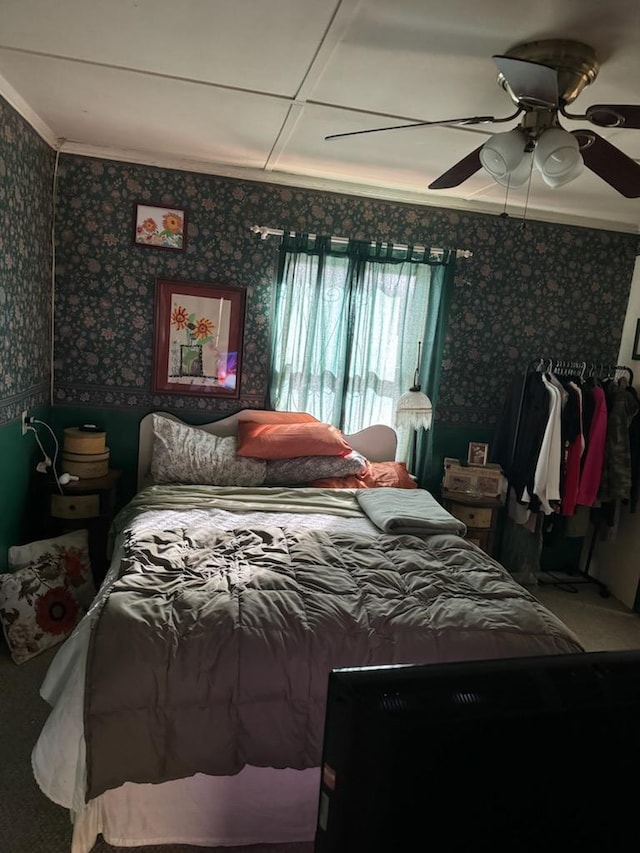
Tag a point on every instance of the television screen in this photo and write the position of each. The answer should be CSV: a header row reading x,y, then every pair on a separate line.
x,y
520,754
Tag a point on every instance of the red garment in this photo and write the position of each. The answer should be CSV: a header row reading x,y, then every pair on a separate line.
x,y
594,455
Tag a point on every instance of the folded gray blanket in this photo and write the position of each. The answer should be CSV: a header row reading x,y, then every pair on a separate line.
x,y
410,511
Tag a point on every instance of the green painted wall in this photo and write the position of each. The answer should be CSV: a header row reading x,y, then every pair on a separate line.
x,y
122,439
122,426
19,455
453,441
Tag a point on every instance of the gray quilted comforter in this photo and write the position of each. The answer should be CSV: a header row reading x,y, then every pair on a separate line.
x,y
213,648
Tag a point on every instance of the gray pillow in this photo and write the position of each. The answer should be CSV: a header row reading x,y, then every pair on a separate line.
x,y
186,454
305,469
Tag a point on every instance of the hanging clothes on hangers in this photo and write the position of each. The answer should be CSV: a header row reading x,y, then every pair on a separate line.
x,y
519,432
573,458
546,485
550,478
593,459
623,406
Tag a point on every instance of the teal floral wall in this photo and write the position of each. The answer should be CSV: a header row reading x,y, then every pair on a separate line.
x,y
541,289
26,177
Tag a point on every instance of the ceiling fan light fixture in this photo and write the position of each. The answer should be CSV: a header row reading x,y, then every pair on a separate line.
x,y
520,175
557,154
502,153
572,174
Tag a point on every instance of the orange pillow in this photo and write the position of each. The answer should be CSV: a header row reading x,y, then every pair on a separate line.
x,y
286,441
377,475
267,416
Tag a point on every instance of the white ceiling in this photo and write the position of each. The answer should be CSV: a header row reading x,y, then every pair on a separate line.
x,y
250,88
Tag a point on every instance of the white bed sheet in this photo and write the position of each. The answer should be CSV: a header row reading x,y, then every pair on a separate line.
x,y
258,805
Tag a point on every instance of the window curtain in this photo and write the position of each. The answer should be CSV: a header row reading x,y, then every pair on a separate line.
x,y
347,322
440,295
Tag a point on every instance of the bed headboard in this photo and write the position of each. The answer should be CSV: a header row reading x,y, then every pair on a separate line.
x,y
377,443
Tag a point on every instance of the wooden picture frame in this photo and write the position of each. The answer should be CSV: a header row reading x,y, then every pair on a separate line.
x,y
635,355
198,338
158,226
478,453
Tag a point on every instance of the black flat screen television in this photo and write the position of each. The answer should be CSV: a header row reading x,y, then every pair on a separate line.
x,y
519,754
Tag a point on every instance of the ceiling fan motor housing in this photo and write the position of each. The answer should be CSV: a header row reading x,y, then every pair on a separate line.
x,y
576,65
542,78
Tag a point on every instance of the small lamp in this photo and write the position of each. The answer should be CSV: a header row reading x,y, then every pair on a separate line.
x,y
414,410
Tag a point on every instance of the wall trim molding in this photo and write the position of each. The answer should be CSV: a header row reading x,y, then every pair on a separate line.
x,y
143,400
12,406
28,114
307,182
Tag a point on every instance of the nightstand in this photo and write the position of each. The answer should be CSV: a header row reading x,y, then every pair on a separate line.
x,y
88,504
480,514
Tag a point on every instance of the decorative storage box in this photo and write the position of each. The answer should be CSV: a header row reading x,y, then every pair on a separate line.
x,y
84,452
485,480
86,465
77,440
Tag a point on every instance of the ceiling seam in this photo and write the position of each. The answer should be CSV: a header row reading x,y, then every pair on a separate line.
x,y
214,85
342,17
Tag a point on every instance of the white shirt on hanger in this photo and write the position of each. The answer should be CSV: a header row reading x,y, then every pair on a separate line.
x,y
546,484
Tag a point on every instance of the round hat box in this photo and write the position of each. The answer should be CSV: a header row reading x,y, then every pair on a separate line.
x,y
77,440
86,465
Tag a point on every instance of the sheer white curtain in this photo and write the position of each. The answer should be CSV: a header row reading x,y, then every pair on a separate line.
x,y
346,330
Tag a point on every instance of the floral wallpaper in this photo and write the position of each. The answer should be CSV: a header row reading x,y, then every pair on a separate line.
x,y
543,289
539,290
26,178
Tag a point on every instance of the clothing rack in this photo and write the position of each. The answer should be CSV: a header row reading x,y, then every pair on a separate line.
x,y
583,370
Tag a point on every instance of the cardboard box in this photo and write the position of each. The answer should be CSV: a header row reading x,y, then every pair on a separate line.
x,y
478,480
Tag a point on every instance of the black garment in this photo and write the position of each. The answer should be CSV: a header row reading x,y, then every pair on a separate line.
x,y
634,447
570,418
616,472
520,466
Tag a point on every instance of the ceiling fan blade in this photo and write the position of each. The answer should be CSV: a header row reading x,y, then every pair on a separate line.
x,y
529,82
442,123
609,163
459,173
615,115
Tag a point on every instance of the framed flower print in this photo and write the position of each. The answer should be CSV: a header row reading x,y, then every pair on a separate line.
x,y
159,227
198,338
635,355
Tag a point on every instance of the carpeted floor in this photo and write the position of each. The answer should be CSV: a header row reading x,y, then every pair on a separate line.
x,y
29,823
602,624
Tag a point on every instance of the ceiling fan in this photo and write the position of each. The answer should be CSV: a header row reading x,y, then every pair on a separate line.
x,y
542,78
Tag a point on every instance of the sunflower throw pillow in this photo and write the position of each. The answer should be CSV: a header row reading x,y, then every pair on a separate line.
x,y
45,593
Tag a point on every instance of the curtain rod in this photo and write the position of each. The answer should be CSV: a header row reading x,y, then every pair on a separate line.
x,y
264,231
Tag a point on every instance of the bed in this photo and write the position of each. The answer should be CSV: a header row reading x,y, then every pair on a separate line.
x,y
187,705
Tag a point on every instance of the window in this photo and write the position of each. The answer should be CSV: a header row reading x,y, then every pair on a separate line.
x,y
347,324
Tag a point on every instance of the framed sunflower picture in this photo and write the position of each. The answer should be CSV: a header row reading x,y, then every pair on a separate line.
x,y
159,227
198,338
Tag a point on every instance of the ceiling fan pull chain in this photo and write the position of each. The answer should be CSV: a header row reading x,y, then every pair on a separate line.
x,y
526,201
504,213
